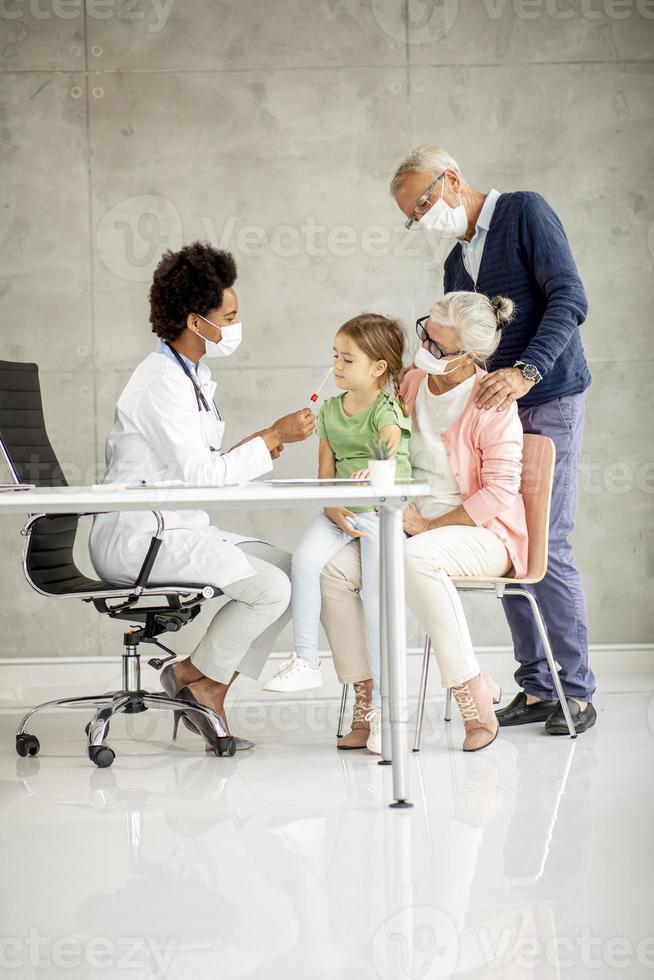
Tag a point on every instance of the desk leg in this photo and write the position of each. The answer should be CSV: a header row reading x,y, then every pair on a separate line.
x,y
392,552
383,666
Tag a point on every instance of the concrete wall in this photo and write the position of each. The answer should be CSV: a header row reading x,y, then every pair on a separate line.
x,y
272,130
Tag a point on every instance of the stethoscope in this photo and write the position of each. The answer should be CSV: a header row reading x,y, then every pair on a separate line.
x,y
203,404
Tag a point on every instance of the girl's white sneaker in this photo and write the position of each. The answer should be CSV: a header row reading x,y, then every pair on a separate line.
x,y
374,739
295,675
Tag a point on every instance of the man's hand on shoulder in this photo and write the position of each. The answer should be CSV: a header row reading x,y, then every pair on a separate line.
x,y
501,388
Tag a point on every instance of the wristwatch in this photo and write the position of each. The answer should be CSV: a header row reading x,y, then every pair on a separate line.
x,y
529,372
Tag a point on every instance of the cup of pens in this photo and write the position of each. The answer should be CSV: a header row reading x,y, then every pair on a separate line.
x,y
381,467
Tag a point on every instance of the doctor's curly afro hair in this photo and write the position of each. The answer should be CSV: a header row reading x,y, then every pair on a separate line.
x,y
192,280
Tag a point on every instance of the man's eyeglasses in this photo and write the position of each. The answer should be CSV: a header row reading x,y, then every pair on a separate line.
x,y
420,203
433,346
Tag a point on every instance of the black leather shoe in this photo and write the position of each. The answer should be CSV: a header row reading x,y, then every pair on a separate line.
x,y
518,712
582,718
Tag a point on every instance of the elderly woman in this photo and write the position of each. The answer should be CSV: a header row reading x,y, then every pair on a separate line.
x,y
472,524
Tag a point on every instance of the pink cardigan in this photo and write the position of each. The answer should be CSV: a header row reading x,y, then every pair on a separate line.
x,y
485,452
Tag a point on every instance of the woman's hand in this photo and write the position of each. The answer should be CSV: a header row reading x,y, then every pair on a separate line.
x,y
339,516
501,388
277,451
361,475
413,522
295,427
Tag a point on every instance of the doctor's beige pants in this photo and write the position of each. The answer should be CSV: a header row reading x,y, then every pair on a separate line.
x,y
243,631
429,559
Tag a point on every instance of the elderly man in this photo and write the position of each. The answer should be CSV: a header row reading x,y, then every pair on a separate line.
x,y
514,245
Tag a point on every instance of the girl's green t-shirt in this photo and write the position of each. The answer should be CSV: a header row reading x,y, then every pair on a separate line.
x,y
352,438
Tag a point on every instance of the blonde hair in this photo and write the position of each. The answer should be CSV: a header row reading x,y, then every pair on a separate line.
x,y
381,338
477,319
427,158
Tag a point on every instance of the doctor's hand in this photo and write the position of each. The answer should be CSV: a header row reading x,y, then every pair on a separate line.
x,y
341,517
277,451
295,427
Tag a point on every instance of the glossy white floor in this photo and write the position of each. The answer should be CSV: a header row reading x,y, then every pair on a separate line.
x,y
531,859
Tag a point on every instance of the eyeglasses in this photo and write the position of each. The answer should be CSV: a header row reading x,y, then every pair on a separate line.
x,y
433,346
420,203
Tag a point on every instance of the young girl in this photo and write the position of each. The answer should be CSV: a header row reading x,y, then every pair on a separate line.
x,y
367,360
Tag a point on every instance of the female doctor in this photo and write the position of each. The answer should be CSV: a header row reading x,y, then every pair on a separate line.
x,y
167,427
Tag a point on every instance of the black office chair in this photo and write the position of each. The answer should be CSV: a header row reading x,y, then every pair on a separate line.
x,y
50,569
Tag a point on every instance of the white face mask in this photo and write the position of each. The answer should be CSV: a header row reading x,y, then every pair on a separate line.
x,y
230,338
434,365
446,221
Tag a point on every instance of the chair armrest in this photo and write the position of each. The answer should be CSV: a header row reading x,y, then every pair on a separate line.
x,y
155,544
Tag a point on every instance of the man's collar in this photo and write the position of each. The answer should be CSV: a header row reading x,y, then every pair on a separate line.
x,y
486,213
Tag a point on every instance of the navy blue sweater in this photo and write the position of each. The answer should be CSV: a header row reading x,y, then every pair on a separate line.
x,y
527,258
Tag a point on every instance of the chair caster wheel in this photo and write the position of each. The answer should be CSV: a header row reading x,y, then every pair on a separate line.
x,y
225,745
101,755
27,745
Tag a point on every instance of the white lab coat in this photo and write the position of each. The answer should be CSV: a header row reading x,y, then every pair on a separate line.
x,y
159,434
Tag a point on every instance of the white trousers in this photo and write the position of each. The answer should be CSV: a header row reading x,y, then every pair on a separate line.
x,y
243,631
430,560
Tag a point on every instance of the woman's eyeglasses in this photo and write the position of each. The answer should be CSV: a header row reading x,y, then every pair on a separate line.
x,y
433,346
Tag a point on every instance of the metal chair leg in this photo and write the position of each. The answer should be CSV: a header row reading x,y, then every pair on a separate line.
x,y
99,724
422,694
540,625
448,705
93,701
341,716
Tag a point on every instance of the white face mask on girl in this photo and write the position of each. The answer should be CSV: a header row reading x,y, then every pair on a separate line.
x,y
230,338
446,221
435,365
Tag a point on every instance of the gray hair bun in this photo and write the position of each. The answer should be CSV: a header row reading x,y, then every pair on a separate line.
x,y
503,308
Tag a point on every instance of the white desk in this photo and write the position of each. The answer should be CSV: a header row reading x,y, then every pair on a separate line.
x,y
96,499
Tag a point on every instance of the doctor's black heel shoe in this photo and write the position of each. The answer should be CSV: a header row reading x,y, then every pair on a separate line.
x,y
167,680
215,739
